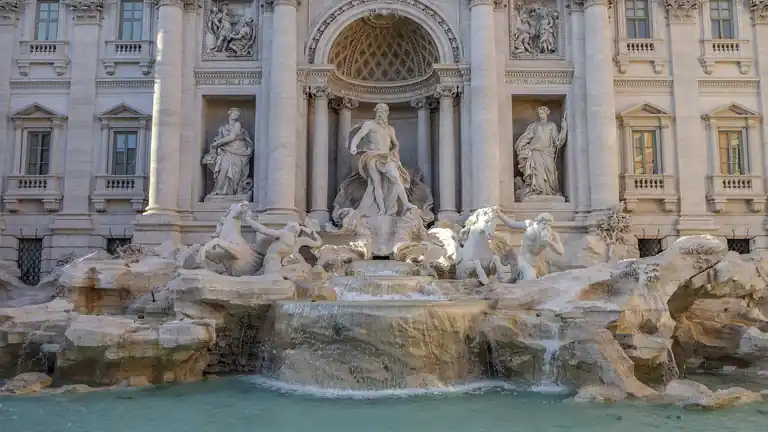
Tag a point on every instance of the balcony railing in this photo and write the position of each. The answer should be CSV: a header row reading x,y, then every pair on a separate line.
x,y
53,53
725,51
640,50
138,52
130,188
44,188
723,188
659,187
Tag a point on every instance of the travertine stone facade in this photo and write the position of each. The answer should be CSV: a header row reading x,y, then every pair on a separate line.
x,y
115,115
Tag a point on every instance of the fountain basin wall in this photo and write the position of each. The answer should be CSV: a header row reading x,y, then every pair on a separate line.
x,y
377,344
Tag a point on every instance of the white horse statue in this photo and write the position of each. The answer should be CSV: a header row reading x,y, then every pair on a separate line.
x,y
228,248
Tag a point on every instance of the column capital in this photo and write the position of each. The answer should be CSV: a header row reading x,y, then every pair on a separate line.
x,y
473,3
187,5
682,10
269,5
447,91
424,102
759,10
9,11
576,5
345,103
589,3
318,92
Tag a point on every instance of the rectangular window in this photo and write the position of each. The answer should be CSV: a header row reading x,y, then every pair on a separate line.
x,y
649,247
638,26
721,15
29,260
115,243
38,153
47,20
124,152
645,152
131,15
732,157
741,246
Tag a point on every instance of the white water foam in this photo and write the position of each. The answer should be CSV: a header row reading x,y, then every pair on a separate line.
x,y
282,387
353,296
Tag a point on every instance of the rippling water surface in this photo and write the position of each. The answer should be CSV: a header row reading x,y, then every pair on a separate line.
x,y
253,404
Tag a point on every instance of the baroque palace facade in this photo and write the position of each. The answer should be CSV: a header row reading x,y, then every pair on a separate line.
x,y
112,112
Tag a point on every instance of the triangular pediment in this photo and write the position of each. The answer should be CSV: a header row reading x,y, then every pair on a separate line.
x,y
123,111
731,111
645,109
34,111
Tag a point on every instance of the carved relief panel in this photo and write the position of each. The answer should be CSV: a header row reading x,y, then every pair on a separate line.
x,y
230,30
536,30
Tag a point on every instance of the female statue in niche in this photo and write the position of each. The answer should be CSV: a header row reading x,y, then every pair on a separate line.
x,y
229,158
537,150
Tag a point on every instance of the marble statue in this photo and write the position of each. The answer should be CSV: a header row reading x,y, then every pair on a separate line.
x,y
228,33
538,236
537,150
228,248
229,159
380,165
536,30
286,243
335,258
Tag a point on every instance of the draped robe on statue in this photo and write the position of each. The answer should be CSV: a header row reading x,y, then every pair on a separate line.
x,y
231,162
537,150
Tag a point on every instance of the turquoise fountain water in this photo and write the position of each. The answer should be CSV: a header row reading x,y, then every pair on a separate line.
x,y
245,404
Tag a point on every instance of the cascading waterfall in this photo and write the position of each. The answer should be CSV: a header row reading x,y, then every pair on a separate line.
x,y
549,380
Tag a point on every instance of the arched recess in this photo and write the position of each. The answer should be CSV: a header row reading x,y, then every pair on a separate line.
x,y
328,28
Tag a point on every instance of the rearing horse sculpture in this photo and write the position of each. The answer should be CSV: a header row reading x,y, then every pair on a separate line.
x,y
228,247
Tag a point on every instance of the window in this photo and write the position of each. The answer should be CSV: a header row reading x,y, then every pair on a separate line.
x,y
131,13
38,153
649,247
637,19
29,260
732,157
47,20
739,245
722,19
645,152
124,152
115,243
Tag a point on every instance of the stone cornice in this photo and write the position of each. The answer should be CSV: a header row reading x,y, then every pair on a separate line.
x,y
682,10
473,3
759,10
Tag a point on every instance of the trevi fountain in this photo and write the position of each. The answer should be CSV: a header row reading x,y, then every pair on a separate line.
x,y
384,302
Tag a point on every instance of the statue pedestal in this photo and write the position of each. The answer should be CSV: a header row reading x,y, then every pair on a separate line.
x,y
544,199
383,228
227,199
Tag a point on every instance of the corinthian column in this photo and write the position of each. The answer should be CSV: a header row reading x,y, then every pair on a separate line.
x,y
447,153
484,106
424,141
320,157
759,10
601,109
9,19
281,176
345,107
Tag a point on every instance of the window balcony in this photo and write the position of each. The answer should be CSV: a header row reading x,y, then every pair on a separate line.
x,y
724,188
656,187
725,51
139,52
640,50
44,188
131,188
52,53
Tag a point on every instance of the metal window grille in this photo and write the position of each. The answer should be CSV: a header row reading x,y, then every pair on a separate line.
x,y
649,247
113,244
30,260
741,246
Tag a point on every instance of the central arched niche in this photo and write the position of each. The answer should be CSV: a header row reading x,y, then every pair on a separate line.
x,y
384,48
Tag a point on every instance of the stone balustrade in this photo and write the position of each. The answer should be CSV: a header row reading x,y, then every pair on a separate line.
x,y
726,51
138,52
53,53
130,188
658,187
723,188
640,50
44,188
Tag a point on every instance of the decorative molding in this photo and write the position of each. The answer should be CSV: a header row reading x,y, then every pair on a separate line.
x,y
127,84
473,3
427,10
759,10
27,85
682,10
500,4
729,83
643,83
85,5
344,103
402,92
539,77
449,91
10,5
576,5
228,78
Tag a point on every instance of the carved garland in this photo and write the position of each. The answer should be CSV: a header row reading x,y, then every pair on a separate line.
x,y
682,10
336,13
10,5
759,10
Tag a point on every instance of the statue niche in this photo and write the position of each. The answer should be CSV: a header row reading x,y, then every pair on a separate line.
x,y
230,31
382,185
538,150
229,159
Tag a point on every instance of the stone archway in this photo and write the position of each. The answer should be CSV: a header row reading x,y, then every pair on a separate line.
x,y
336,20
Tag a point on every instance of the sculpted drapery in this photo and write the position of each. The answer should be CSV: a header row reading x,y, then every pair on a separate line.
x,y
230,158
537,151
